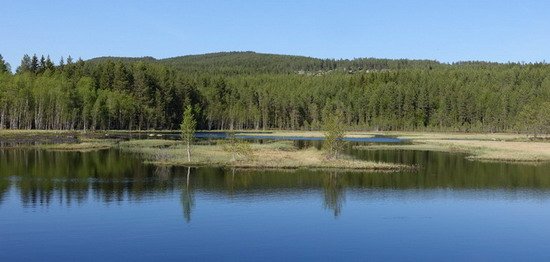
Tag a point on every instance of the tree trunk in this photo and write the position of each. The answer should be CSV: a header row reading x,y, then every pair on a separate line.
x,y
188,151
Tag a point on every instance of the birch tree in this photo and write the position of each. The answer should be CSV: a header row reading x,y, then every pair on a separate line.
x,y
188,126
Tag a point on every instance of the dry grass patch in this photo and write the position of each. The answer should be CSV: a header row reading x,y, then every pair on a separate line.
x,y
12,133
148,143
88,145
503,151
417,136
511,151
276,155
304,134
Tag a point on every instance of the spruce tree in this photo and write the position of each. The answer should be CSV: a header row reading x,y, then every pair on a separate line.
x,y
25,64
4,67
34,64
42,65
49,64
61,63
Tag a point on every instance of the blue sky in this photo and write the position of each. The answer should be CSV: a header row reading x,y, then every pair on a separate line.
x,y
444,30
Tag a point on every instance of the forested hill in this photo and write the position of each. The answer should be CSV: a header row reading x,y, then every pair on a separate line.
x,y
232,63
245,90
122,59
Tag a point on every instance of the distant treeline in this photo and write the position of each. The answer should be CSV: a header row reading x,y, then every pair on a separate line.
x,y
245,90
239,63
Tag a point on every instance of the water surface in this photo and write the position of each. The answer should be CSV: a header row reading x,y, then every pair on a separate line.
x,y
107,205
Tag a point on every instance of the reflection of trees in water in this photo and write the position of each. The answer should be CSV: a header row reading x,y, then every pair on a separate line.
x,y
187,197
231,184
334,193
43,177
68,177
163,172
4,187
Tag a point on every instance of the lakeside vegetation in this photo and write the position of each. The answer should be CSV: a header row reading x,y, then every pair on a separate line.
x,y
245,90
478,146
479,150
484,147
231,152
83,145
274,155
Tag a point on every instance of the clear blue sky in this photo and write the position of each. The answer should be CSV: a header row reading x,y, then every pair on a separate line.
x,y
444,30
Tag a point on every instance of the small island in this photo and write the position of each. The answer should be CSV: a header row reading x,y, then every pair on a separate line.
x,y
274,155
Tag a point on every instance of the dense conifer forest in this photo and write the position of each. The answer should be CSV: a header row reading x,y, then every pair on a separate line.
x,y
246,90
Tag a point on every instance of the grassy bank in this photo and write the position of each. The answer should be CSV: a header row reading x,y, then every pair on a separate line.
x,y
477,149
276,155
284,133
82,146
38,136
421,136
480,146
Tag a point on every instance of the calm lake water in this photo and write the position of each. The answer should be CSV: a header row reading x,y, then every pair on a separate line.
x,y
107,205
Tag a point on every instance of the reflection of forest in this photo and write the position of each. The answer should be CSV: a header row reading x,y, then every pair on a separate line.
x,y
41,177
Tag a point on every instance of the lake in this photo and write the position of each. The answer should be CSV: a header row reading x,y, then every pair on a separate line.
x,y
108,205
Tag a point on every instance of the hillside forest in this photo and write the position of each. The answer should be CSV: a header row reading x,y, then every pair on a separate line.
x,y
247,90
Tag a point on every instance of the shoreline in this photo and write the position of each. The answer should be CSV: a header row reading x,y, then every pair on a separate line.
x,y
500,147
282,155
482,150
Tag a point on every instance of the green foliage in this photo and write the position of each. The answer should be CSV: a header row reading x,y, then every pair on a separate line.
x,y
25,65
4,67
333,127
237,147
188,126
239,63
245,90
535,118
